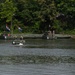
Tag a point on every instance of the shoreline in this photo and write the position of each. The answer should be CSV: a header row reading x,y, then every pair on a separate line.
x,y
40,36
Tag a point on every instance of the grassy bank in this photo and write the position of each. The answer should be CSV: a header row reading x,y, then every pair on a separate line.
x,y
71,32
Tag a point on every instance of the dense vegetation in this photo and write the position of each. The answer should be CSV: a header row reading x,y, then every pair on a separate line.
x,y
35,16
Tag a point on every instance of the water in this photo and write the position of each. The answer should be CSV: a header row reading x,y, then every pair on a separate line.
x,y
38,69
38,57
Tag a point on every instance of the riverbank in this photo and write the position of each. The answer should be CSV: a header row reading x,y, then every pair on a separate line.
x,y
40,36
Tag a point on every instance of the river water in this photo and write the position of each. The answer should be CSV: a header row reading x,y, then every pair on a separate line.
x,y
38,57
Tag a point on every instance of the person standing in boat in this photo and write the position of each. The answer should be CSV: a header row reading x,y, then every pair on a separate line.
x,y
21,38
51,31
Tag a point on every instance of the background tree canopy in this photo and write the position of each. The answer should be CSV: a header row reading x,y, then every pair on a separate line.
x,y
35,16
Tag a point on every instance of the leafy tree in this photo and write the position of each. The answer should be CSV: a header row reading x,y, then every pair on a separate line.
x,y
36,15
27,13
66,9
7,10
47,12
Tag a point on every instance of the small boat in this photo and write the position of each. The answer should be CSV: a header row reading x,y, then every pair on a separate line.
x,y
18,42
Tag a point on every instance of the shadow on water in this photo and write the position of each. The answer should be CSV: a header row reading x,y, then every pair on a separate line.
x,y
59,43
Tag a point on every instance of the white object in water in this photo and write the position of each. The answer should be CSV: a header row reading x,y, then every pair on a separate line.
x,y
13,43
47,37
20,44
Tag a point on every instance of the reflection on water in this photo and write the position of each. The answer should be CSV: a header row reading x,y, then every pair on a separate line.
x,y
59,43
41,43
38,57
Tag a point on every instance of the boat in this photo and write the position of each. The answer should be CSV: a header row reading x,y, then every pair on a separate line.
x,y
18,42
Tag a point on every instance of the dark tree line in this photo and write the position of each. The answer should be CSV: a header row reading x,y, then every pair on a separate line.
x,y
36,15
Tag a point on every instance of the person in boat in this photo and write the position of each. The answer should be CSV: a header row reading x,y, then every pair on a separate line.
x,y
18,41
51,30
21,38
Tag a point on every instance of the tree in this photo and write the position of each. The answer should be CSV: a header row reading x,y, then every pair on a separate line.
x,y
7,10
37,12
66,9
47,12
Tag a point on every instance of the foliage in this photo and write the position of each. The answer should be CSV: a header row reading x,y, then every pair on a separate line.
x,y
7,10
36,15
67,8
72,32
